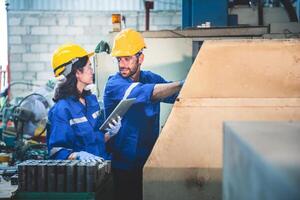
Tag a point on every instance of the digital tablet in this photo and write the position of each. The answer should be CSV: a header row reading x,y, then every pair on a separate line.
x,y
120,110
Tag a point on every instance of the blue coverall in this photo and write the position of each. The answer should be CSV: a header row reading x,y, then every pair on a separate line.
x,y
140,125
74,127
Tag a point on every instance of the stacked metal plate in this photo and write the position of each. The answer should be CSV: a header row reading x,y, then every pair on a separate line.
x,y
62,175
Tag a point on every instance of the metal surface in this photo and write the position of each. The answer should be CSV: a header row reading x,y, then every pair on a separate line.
x,y
22,172
62,176
195,13
261,160
81,177
253,31
229,80
41,177
71,176
51,176
288,5
91,174
31,176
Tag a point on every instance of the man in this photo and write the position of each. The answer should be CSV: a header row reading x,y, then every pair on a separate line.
x,y
140,125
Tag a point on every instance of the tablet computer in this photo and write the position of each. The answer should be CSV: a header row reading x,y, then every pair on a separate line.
x,y
120,110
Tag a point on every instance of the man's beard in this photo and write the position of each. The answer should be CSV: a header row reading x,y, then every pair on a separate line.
x,y
131,72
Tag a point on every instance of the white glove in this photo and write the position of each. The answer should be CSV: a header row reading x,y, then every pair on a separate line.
x,y
114,127
83,155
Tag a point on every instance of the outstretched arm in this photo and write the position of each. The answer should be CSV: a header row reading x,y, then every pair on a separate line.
x,y
164,90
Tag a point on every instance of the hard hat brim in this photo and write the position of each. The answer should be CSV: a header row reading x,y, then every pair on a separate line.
x,y
91,54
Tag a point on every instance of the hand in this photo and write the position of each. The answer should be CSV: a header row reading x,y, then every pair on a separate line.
x,y
83,155
114,127
181,82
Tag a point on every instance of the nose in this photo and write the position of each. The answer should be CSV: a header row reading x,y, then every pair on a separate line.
x,y
122,61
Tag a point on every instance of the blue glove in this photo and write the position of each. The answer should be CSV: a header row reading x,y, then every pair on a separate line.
x,y
83,155
114,127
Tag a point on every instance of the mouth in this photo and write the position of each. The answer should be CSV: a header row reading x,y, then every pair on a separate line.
x,y
123,70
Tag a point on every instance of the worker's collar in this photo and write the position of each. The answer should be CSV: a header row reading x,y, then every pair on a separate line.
x,y
89,99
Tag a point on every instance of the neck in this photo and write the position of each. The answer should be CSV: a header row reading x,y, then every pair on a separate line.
x,y
135,77
80,86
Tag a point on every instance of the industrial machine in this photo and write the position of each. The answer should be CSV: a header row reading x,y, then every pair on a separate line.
x,y
230,80
23,129
24,121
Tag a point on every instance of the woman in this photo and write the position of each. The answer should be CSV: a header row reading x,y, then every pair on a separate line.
x,y
74,119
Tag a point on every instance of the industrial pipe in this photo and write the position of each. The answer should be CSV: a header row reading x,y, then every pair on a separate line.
x,y
148,6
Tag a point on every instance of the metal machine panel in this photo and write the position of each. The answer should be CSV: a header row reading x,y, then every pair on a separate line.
x,y
229,80
195,13
261,160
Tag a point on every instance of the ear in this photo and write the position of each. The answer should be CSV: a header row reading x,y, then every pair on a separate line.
x,y
77,74
141,58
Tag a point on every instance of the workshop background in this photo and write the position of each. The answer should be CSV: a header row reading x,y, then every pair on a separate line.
x,y
233,132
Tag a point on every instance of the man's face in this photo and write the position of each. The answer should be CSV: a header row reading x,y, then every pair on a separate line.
x,y
129,65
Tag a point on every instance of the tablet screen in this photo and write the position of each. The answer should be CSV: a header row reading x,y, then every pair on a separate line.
x,y
120,110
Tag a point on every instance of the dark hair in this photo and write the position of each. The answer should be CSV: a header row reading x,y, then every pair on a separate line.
x,y
69,87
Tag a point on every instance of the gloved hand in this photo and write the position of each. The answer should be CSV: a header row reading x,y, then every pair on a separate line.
x,y
83,155
181,82
114,127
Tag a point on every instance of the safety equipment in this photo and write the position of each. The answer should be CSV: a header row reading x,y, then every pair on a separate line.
x,y
115,127
127,43
102,47
65,56
83,155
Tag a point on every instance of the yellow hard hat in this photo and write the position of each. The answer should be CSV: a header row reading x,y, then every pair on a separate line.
x,y
127,43
65,54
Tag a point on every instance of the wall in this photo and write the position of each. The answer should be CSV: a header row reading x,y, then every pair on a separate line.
x,y
34,35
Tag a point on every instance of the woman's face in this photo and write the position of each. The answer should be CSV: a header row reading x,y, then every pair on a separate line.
x,y
86,76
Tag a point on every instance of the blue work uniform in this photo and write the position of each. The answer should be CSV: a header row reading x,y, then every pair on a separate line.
x,y
140,125
74,127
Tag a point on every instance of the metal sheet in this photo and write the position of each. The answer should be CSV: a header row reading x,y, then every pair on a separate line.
x,y
81,177
51,176
261,160
229,80
71,176
42,177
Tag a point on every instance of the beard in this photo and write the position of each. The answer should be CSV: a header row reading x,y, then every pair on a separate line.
x,y
129,72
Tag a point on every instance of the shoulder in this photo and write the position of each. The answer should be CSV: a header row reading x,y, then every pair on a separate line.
x,y
151,76
148,73
92,100
61,104
116,78
60,108
117,81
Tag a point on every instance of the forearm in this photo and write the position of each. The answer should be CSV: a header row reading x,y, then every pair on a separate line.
x,y
106,136
165,90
